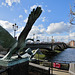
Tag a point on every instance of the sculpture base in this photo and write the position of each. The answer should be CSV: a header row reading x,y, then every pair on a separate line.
x,y
18,66
12,62
18,69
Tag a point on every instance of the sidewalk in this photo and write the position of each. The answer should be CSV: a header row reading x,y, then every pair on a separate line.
x,y
60,72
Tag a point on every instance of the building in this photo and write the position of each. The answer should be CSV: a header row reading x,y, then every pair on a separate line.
x,y
72,43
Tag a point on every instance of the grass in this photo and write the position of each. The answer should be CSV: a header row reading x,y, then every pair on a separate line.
x,y
40,56
46,54
57,51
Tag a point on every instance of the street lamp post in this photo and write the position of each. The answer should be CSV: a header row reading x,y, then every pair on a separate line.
x,y
15,27
33,37
47,39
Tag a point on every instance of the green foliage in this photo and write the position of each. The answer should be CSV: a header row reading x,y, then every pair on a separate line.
x,y
40,56
57,51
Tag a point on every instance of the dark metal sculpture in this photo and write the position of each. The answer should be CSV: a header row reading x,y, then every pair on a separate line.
x,y
21,43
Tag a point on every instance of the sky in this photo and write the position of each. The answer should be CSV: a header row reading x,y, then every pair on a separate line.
x,y
54,20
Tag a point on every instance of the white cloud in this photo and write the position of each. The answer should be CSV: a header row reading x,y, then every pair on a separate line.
x,y
40,31
47,38
49,10
32,7
20,16
26,20
19,31
3,3
60,27
7,25
25,11
59,38
10,2
43,19
37,30
41,26
72,36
